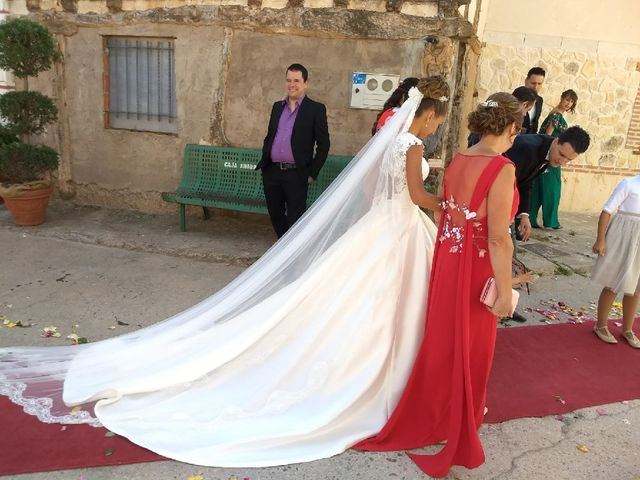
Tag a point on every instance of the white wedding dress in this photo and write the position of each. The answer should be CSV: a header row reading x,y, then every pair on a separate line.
x,y
299,372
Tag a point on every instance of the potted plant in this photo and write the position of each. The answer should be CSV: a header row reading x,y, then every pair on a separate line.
x,y
26,49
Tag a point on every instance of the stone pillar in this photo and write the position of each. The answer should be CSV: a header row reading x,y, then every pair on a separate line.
x,y
66,186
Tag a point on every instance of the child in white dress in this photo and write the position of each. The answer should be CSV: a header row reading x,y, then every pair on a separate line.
x,y
618,266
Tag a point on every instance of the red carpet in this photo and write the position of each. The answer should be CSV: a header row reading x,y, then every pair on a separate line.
x,y
535,370
555,369
26,445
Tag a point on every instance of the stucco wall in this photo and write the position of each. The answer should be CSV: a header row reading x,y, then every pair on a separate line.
x,y
614,21
140,160
120,167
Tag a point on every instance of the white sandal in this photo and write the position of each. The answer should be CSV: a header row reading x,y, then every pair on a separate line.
x,y
631,339
604,334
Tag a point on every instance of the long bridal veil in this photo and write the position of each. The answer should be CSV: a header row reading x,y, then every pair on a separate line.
x,y
51,382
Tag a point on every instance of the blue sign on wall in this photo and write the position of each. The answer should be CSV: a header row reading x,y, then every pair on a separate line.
x,y
359,78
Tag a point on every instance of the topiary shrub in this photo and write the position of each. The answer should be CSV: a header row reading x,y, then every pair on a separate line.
x,y
26,47
23,163
27,113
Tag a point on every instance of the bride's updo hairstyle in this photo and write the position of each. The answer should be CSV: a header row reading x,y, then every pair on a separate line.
x,y
496,113
435,91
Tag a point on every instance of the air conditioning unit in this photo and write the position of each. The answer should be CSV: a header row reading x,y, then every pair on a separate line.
x,y
370,90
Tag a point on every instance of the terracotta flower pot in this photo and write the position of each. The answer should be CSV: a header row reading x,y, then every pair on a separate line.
x,y
29,207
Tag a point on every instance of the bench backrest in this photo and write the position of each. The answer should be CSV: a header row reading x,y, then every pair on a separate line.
x,y
228,171
231,172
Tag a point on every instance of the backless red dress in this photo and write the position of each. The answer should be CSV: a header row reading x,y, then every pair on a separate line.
x,y
445,396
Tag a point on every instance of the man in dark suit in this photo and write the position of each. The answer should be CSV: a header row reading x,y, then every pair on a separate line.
x,y
532,154
535,79
294,150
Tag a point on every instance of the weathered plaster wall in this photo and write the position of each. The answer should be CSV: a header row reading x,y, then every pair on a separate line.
x,y
98,160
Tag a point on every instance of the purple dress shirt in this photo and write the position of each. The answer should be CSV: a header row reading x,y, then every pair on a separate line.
x,y
281,149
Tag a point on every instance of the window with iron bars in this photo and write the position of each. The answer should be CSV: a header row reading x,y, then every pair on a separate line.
x,y
140,84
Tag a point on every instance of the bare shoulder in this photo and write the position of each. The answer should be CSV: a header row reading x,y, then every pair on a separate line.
x,y
507,170
506,161
506,175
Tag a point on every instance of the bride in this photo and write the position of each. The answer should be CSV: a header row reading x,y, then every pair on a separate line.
x,y
302,356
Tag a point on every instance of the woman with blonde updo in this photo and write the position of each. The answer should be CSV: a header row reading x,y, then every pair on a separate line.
x,y
444,400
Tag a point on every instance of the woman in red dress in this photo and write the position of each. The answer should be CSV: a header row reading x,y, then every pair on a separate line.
x,y
444,400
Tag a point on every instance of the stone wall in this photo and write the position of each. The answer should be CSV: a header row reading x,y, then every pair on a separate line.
x,y
606,81
230,62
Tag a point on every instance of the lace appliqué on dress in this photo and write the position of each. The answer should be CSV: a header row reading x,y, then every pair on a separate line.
x,y
394,165
452,231
41,407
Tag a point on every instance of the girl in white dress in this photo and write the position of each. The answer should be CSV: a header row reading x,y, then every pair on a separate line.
x,y
618,266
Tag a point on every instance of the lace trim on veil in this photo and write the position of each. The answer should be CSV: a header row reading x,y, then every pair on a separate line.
x,y
41,407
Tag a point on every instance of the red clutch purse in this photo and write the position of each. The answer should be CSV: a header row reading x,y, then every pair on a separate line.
x,y
490,294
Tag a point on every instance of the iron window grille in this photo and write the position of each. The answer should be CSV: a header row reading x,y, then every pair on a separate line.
x,y
140,84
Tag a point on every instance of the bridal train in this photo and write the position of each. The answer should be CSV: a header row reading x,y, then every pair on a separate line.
x,y
301,357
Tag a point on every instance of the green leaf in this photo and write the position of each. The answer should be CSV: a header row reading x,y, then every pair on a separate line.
x,y
109,434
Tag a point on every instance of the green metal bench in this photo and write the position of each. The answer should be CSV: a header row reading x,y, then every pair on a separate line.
x,y
225,177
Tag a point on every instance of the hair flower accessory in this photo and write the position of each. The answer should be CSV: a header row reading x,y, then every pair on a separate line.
x,y
443,99
414,93
489,103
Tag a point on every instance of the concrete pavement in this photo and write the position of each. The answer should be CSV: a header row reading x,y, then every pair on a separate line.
x,y
100,269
